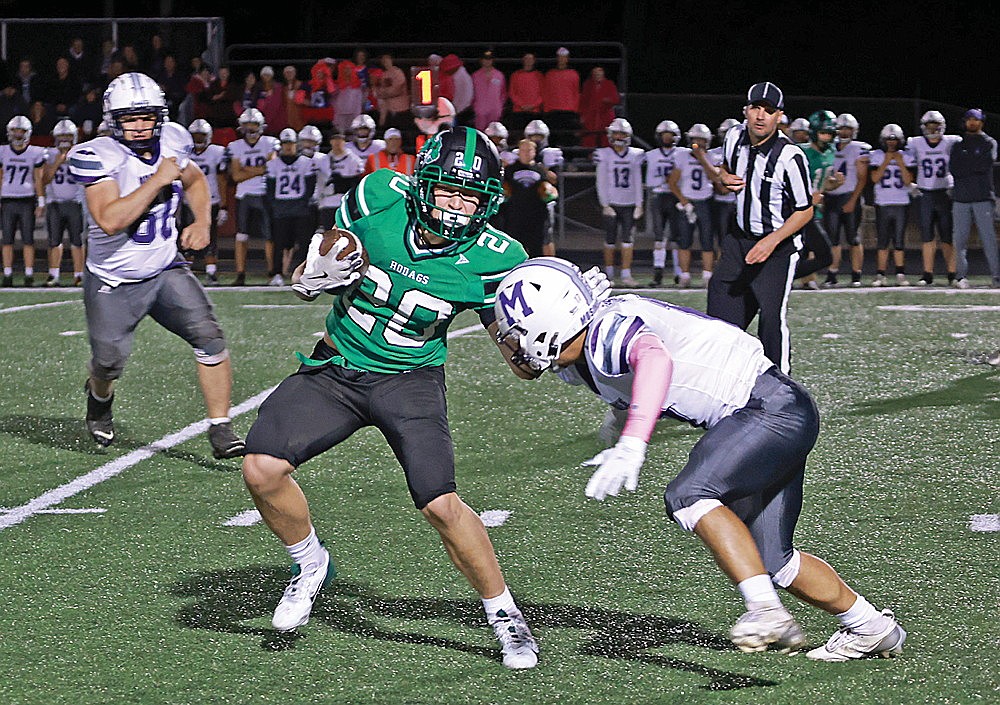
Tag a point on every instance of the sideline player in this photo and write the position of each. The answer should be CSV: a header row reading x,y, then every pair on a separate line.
x,y
22,196
290,182
211,159
842,205
740,491
692,188
816,251
339,170
381,363
64,204
135,182
662,202
620,195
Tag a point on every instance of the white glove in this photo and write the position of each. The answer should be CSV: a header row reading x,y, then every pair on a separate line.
x,y
608,211
326,272
688,210
222,217
598,282
638,213
618,466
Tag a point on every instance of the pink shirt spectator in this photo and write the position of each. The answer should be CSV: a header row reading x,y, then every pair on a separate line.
x,y
489,91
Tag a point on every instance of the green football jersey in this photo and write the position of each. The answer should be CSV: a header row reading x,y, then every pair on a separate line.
x,y
397,318
820,167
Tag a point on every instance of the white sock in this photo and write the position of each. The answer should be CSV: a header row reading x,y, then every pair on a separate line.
x,y
29,271
210,269
215,421
504,601
863,618
610,271
54,272
8,271
706,277
77,274
307,551
758,588
626,273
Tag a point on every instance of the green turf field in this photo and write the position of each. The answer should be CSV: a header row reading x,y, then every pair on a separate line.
x,y
144,595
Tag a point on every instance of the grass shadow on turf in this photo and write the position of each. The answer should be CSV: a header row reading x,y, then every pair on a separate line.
x,y
71,434
978,390
226,599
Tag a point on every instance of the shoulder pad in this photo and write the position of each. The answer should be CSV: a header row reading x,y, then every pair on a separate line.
x,y
376,192
95,159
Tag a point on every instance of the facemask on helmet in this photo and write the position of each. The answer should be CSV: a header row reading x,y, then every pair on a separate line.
x,y
128,97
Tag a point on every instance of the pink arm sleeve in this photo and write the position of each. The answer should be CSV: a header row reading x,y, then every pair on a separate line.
x,y
652,368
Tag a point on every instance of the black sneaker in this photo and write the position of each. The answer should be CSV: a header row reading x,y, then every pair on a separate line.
x,y
99,421
831,280
77,281
29,281
240,280
7,282
52,282
225,443
212,280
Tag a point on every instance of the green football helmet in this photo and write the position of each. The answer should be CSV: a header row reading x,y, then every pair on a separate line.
x,y
822,121
457,157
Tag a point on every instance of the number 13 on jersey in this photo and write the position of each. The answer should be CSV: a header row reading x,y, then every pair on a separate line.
x,y
424,90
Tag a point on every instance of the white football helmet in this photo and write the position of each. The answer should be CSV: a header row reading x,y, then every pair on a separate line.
x,y
847,121
65,134
541,305
799,124
699,131
622,128
309,140
892,130
134,93
102,129
498,133
363,130
725,126
19,131
288,135
252,123
668,127
537,128
201,133
928,119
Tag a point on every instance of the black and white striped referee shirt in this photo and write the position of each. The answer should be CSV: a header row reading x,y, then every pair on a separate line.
x,y
776,180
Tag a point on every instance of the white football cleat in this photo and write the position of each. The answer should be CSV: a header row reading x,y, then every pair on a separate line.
x,y
765,626
518,646
297,601
847,644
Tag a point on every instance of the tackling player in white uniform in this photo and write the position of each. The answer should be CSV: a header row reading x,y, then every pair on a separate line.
x,y
135,182
740,490
247,158
659,163
891,174
211,159
363,142
64,204
842,205
931,153
693,189
620,193
22,196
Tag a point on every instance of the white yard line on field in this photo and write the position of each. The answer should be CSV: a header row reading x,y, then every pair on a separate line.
x,y
117,466
50,304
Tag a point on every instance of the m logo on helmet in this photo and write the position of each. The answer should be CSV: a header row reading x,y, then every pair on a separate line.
x,y
510,304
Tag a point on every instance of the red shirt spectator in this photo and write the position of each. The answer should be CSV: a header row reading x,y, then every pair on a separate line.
x,y
269,96
391,90
526,89
597,108
561,98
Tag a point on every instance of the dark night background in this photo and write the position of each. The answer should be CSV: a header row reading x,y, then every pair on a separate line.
x,y
937,51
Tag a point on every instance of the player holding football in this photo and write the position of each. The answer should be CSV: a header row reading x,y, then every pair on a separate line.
x,y
135,181
432,254
741,489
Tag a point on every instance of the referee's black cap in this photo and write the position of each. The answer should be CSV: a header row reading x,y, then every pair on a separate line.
x,y
766,93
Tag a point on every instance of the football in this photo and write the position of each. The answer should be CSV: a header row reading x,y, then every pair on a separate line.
x,y
330,237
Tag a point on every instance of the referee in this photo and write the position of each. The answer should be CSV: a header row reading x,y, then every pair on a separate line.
x,y
768,173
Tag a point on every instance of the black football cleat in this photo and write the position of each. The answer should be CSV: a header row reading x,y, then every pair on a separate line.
x,y
100,424
225,443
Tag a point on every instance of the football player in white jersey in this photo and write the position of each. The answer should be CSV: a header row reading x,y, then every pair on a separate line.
x,y
498,134
931,152
891,174
310,140
291,182
723,200
740,491
339,172
136,181
798,130
211,159
64,204
247,158
662,202
22,196
552,159
363,142
620,194
842,205
693,189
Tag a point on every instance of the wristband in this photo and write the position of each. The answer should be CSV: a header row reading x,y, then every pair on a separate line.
x,y
41,201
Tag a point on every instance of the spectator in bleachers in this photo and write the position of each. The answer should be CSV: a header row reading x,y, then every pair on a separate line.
x,y
28,82
393,97
63,88
42,122
248,98
88,112
115,69
108,54
156,54
81,64
363,71
349,99
971,165
180,89
224,96
296,96
525,94
270,100
452,65
489,92
11,103
130,59
561,100
597,107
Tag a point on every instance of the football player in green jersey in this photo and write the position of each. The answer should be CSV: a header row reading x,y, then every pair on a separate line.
x,y
432,254
817,252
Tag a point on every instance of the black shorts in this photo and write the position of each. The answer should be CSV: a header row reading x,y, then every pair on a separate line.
x,y
252,218
316,408
17,215
64,218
